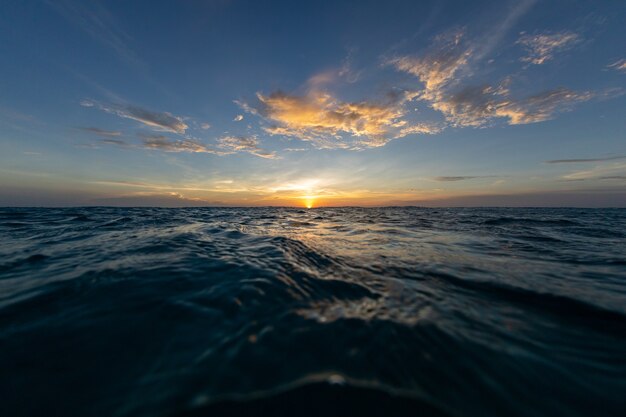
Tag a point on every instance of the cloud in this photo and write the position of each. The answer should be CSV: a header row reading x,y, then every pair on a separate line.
x,y
161,121
606,171
99,23
226,146
569,161
246,107
346,71
438,68
296,149
115,142
454,179
245,144
476,106
205,126
613,177
327,122
542,106
162,143
238,118
619,66
444,67
541,48
100,132
419,129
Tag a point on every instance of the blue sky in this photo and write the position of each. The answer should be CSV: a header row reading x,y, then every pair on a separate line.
x,y
313,103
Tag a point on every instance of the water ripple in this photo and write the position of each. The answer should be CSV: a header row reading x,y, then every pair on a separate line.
x,y
278,311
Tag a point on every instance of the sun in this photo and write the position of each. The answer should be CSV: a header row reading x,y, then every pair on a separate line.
x,y
309,201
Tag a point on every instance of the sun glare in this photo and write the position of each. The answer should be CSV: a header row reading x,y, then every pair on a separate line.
x,y
308,201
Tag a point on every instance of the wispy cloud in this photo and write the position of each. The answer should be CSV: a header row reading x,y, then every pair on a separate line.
x,y
541,107
580,160
605,171
296,149
439,67
116,142
100,132
248,144
542,47
443,70
162,121
613,177
99,23
460,178
419,129
225,146
347,71
619,66
162,143
238,118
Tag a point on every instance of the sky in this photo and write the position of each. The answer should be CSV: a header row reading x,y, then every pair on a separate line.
x,y
313,103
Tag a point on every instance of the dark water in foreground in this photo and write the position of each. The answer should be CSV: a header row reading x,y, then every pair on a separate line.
x,y
394,311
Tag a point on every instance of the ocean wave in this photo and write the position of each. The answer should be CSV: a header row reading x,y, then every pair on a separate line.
x,y
395,311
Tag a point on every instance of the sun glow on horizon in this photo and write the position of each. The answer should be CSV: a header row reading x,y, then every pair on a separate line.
x,y
309,201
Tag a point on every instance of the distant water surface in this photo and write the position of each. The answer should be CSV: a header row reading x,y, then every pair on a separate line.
x,y
333,311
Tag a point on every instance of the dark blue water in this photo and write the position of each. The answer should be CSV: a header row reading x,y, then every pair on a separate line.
x,y
344,311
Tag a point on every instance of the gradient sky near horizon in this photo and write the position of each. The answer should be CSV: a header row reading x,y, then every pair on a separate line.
x,y
313,103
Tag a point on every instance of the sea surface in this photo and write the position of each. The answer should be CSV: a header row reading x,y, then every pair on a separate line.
x,y
329,311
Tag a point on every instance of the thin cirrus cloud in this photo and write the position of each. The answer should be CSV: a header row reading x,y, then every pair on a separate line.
x,y
542,47
232,144
101,132
116,142
619,65
460,178
162,121
602,172
225,146
582,160
97,21
162,143
443,71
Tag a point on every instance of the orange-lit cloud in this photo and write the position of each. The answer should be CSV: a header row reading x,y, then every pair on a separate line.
x,y
328,122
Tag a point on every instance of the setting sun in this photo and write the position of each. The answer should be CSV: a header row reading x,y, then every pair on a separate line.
x,y
308,201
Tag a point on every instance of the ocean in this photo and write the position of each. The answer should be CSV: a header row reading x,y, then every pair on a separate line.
x,y
328,311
